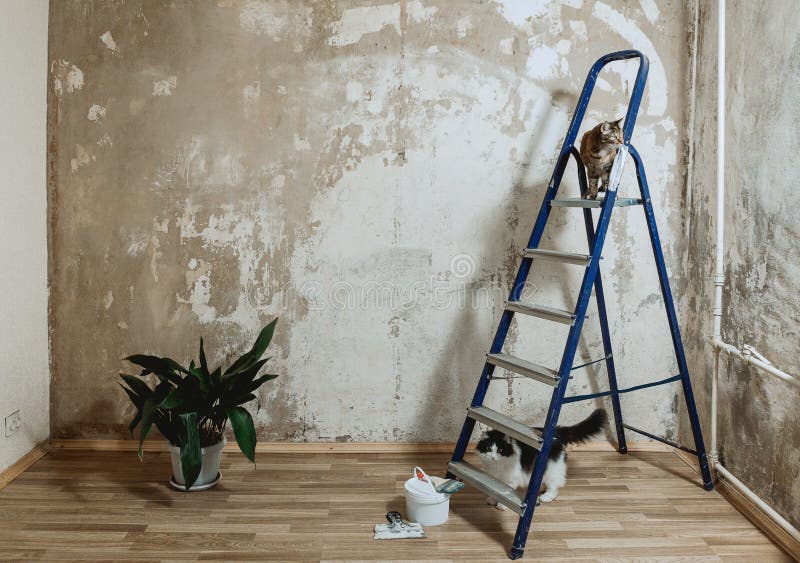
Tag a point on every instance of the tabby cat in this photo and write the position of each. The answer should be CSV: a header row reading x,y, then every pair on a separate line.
x,y
598,150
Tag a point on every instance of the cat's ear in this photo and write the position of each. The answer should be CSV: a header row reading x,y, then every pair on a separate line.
x,y
483,435
605,127
618,122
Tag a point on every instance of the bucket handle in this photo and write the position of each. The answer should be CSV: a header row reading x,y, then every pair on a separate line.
x,y
422,476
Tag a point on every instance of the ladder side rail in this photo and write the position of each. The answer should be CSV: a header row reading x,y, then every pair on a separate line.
x,y
557,399
672,318
636,98
611,370
602,314
469,423
588,87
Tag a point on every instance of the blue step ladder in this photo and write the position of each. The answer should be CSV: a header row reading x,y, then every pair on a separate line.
x,y
559,378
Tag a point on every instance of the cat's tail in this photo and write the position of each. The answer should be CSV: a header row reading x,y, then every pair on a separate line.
x,y
585,429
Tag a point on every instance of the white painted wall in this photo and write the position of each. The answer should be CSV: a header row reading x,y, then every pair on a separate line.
x,y
24,373
365,173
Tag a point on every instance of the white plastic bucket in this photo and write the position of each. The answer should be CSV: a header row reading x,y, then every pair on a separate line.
x,y
423,504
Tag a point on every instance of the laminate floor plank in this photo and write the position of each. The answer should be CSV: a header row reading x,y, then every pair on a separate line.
x,y
100,505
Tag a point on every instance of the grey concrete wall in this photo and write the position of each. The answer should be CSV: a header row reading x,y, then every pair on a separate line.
x,y
25,377
758,417
366,171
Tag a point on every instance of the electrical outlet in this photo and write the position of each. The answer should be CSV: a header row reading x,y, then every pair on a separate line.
x,y
13,422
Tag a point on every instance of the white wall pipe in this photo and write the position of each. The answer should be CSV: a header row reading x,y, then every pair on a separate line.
x,y
713,455
750,357
719,275
747,353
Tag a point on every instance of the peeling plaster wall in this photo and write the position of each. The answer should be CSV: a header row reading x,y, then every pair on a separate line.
x,y
759,436
366,171
24,378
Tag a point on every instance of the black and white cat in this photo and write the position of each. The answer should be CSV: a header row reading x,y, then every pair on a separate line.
x,y
511,461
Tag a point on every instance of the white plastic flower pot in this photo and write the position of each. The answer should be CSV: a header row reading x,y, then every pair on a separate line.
x,y
209,472
423,504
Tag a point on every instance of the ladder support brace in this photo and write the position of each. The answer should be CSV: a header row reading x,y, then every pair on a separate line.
x,y
576,398
660,439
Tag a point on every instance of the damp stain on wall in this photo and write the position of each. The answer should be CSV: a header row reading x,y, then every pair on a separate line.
x,y
759,426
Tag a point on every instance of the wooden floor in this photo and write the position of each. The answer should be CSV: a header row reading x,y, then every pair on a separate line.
x,y
106,505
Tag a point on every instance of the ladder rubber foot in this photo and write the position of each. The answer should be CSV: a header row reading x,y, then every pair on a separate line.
x,y
623,450
516,553
709,486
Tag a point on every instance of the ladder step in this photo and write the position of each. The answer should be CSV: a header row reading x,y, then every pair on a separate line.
x,y
498,490
523,367
593,203
557,256
541,311
507,425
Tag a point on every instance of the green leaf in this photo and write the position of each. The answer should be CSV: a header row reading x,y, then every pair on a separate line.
x,y
243,375
255,384
191,453
162,390
136,420
258,349
173,400
241,399
243,431
203,361
192,398
165,368
201,378
137,402
148,412
170,428
137,386
133,396
156,363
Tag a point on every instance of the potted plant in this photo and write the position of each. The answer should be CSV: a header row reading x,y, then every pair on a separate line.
x,y
191,406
